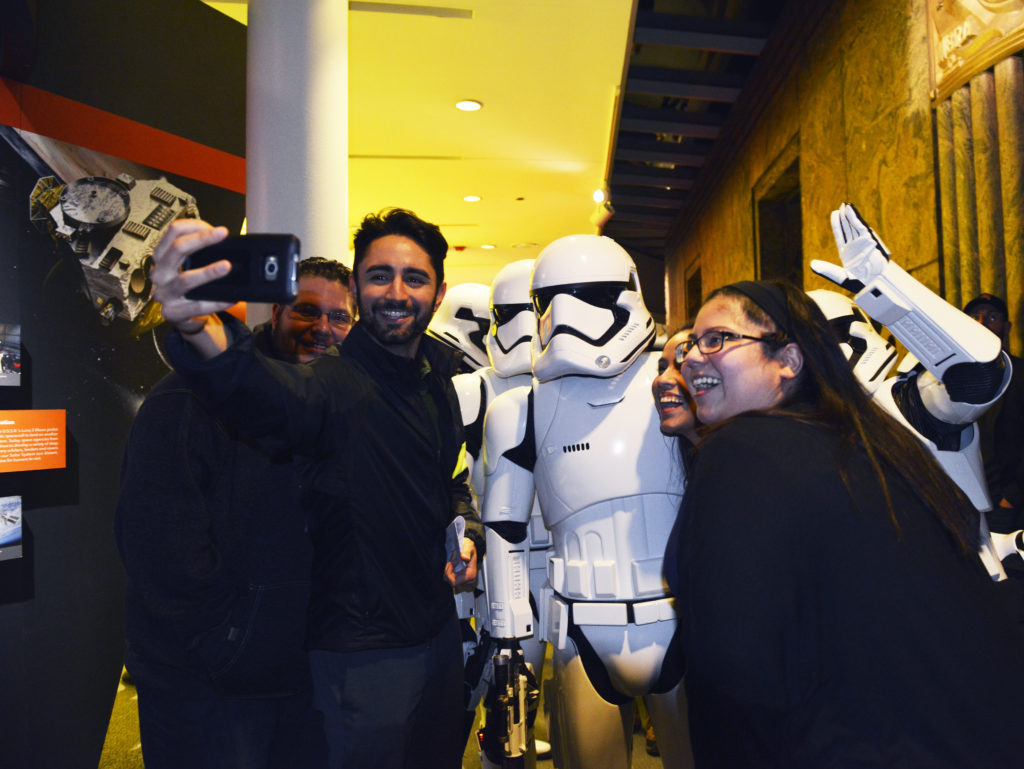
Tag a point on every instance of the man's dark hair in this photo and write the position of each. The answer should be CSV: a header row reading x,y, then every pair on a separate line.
x,y
992,301
318,267
398,221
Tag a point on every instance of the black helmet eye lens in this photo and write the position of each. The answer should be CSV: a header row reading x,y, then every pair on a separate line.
x,y
542,299
503,313
603,295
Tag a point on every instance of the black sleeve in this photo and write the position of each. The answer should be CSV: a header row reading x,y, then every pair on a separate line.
x,y
176,460
281,406
1008,440
458,487
742,564
462,504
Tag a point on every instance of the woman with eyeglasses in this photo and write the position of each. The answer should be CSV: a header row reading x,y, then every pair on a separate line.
x,y
833,610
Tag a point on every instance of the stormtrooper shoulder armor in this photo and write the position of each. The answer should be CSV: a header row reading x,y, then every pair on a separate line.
x,y
470,390
508,430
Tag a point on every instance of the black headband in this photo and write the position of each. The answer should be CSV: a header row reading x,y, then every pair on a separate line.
x,y
769,297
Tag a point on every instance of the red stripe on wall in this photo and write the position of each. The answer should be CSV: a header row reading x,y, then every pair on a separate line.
x,y
47,114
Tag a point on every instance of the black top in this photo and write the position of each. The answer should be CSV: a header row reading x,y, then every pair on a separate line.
x,y
816,634
384,438
216,554
1002,448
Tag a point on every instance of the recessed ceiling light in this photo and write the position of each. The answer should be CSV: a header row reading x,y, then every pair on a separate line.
x,y
472,198
486,245
469,105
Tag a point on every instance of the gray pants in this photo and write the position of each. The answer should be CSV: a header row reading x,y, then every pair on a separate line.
x,y
393,708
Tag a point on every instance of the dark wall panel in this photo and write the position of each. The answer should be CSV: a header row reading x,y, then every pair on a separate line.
x,y
178,67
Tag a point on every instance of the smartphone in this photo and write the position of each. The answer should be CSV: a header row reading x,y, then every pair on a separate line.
x,y
264,268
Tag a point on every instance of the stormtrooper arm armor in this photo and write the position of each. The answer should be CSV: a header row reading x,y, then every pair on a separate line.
x,y
470,390
941,399
509,458
1006,545
939,335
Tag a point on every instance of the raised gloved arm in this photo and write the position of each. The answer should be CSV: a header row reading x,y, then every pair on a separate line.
x,y
936,333
962,355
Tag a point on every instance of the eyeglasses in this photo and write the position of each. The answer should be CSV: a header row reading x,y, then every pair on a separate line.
x,y
712,341
310,313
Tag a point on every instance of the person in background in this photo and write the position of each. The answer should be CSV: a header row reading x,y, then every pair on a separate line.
x,y
1002,427
378,424
833,611
320,317
671,398
214,544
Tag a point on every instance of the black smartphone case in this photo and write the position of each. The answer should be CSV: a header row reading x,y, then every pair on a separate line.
x,y
263,269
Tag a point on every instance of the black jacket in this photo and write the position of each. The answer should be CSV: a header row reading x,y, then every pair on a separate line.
x,y
816,633
216,553
1002,449
385,440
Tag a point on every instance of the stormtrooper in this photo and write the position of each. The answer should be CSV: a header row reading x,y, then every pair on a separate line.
x,y
461,323
508,341
506,346
954,372
584,438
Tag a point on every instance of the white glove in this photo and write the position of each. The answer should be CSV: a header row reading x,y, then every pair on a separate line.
x,y
861,251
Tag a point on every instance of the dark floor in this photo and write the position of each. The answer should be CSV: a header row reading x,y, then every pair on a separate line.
x,y
122,749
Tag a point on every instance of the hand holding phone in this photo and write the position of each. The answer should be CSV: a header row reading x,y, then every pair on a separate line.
x,y
264,268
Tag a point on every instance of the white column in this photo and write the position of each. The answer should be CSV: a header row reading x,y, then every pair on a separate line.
x,y
297,125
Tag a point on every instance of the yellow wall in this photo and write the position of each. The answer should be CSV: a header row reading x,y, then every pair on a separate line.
x,y
857,107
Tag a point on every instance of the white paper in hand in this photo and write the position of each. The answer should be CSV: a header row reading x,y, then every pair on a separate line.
x,y
453,542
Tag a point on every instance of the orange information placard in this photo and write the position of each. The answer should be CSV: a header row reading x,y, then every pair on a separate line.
x,y
33,440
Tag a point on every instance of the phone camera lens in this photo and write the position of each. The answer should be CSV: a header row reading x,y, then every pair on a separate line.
x,y
270,268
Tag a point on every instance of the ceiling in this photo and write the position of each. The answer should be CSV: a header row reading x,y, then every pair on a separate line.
x,y
629,95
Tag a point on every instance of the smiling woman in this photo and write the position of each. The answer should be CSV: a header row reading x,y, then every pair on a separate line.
x,y
797,654
671,396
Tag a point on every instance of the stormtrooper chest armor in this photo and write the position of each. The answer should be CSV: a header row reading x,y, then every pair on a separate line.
x,y
608,482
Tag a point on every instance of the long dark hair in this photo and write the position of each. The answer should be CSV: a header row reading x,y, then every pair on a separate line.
x,y
828,393
683,443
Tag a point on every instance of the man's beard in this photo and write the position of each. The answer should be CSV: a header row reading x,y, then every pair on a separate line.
x,y
383,331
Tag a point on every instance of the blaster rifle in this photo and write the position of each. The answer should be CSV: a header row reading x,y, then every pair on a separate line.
x,y
511,708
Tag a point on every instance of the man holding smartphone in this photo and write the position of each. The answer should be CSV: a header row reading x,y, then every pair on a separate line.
x,y
213,539
379,424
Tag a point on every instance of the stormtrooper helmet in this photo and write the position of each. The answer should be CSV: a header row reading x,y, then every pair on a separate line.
x,y
870,354
513,323
461,323
591,318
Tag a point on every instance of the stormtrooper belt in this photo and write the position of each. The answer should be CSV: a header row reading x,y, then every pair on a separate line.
x,y
618,612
